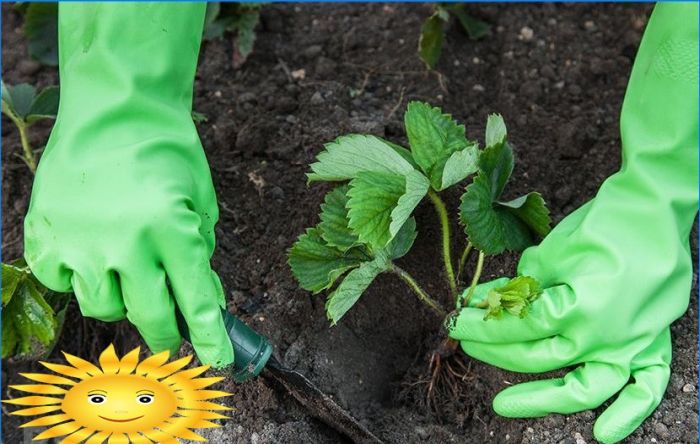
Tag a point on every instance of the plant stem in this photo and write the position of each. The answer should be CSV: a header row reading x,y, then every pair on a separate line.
x,y
475,278
463,259
446,250
422,295
29,157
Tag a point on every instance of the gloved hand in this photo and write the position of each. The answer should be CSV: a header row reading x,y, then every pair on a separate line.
x,y
123,206
617,272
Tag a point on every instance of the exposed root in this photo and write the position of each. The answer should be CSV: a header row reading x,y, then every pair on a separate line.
x,y
443,390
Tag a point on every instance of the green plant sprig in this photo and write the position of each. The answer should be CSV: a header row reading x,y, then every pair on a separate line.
x,y
24,107
366,222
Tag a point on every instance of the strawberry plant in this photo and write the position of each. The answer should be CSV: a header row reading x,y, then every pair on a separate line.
x,y
32,315
22,105
239,19
432,32
366,221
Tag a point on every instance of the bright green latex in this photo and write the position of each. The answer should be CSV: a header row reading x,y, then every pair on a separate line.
x,y
617,272
123,206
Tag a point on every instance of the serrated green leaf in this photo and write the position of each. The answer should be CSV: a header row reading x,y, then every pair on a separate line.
x,y
41,31
351,288
403,152
403,241
494,226
31,320
44,105
475,28
379,204
245,25
433,137
316,265
532,211
12,277
334,220
496,161
347,156
430,41
514,297
460,165
496,132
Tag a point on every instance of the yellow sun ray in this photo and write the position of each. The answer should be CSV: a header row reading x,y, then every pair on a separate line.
x,y
77,437
97,438
109,361
203,414
129,361
66,370
33,411
118,438
82,364
152,362
62,429
179,430
167,369
48,379
135,438
160,437
33,400
47,420
40,389
115,401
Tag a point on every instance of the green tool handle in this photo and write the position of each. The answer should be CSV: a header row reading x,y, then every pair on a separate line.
x,y
251,351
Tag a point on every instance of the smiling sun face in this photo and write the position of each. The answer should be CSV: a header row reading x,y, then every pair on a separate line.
x,y
122,400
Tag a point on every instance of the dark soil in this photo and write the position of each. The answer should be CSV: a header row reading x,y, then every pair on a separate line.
x,y
560,92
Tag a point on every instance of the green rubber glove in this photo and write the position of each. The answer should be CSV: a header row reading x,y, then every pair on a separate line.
x,y
123,207
617,272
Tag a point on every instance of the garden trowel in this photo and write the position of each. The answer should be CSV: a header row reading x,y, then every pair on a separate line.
x,y
253,355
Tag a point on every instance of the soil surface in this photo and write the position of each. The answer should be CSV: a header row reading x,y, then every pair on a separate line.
x,y
557,73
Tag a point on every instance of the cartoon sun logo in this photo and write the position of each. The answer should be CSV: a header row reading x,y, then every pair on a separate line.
x,y
121,400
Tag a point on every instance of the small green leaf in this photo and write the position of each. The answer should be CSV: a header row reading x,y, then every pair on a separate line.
x,y
12,277
514,297
434,137
403,241
198,117
460,165
475,28
41,31
317,265
430,41
334,220
44,105
532,211
379,204
17,100
495,130
245,26
348,156
494,226
351,288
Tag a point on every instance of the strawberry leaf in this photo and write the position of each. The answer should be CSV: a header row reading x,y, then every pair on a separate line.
x,y
434,138
351,155
44,105
334,220
41,31
431,36
316,265
30,325
22,104
352,287
403,241
492,225
379,204
514,297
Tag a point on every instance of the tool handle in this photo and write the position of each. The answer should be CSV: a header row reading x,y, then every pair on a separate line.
x,y
251,350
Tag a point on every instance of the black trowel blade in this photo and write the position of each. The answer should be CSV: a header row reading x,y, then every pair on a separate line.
x,y
318,403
